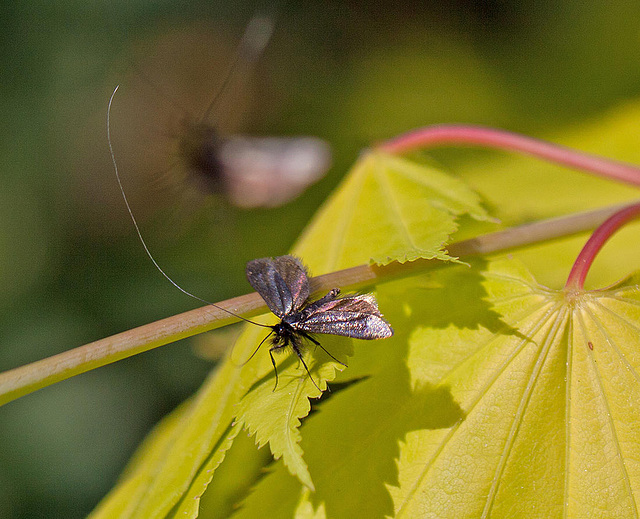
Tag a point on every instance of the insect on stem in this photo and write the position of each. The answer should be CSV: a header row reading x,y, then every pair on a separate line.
x,y
283,283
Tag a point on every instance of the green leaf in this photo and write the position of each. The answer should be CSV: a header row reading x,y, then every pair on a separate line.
x,y
274,416
550,426
388,208
277,495
179,459
242,468
305,509
496,405
189,504
439,320
351,442
134,483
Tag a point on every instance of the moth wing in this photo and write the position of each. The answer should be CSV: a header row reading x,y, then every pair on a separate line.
x,y
352,316
282,282
296,278
271,171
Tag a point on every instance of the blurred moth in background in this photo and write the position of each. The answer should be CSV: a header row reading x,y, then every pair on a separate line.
x,y
252,171
206,159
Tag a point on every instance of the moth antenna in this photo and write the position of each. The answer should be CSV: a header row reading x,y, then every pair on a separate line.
x,y
249,49
144,243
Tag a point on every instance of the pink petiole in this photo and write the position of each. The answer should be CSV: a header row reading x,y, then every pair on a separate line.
x,y
438,135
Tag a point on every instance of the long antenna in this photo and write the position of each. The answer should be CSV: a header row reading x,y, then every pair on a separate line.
x,y
135,224
253,41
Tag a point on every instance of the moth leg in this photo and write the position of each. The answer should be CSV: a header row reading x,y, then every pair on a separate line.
x,y
307,336
310,338
275,370
330,296
299,354
256,350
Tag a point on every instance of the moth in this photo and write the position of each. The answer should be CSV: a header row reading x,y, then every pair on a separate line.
x,y
283,283
201,156
248,171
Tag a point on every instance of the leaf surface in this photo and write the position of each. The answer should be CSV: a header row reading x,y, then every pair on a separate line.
x,y
178,460
549,423
274,418
387,208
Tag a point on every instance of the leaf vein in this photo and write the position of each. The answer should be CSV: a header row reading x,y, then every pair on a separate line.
x,y
481,393
610,340
612,428
393,205
567,420
545,347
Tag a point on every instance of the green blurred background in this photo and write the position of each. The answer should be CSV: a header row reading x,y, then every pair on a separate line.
x,y
353,73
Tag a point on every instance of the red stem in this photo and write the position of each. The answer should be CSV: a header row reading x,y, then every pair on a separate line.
x,y
600,236
431,136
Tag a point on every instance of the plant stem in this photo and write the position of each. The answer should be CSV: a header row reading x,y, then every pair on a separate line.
x,y
26,379
601,235
439,135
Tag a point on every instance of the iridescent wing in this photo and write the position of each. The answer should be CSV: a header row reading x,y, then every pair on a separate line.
x,y
282,282
352,316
